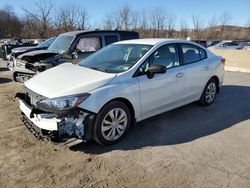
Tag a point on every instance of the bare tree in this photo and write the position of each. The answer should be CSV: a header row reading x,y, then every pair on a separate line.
x,y
112,20
65,19
118,19
125,14
157,20
224,20
212,32
170,23
183,29
143,23
135,19
9,23
42,14
198,26
108,22
71,18
248,27
31,28
83,18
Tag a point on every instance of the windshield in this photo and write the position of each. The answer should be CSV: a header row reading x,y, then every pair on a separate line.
x,y
61,44
116,58
46,43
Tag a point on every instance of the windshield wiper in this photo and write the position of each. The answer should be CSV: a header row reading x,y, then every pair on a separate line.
x,y
99,69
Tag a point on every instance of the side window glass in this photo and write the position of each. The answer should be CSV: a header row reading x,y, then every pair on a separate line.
x,y
110,39
203,54
191,53
88,44
233,44
166,55
144,68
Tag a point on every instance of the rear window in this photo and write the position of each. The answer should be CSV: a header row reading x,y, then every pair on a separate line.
x,y
203,54
233,44
110,39
192,53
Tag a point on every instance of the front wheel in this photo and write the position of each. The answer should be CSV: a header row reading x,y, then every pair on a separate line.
x,y
209,94
112,123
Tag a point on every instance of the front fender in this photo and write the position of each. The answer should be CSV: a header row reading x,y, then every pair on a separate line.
x,y
102,95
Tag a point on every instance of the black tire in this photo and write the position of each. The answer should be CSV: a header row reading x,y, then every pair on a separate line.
x,y
98,125
204,101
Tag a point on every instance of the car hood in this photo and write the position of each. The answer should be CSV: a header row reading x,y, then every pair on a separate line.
x,y
67,79
18,51
37,55
22,49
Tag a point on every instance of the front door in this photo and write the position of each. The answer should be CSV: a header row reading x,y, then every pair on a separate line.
x,y
164,91
86,46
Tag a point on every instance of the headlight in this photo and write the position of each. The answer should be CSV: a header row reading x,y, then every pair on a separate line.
x,y
62,103
20,64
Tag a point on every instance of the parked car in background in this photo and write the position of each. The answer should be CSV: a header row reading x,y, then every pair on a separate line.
x,y
17,42
246,44
70,47
122,83
229,45
201,42
15,52
212,43
18,71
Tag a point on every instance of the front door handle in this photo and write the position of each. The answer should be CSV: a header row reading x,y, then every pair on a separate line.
x,y
179,75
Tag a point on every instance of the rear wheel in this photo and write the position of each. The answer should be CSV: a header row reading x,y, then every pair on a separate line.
x,y
209,94
112,123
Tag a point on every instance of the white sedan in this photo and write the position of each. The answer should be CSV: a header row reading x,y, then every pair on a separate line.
x,y
123,83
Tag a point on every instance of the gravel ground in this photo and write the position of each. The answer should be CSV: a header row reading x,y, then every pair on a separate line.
x,y
191,146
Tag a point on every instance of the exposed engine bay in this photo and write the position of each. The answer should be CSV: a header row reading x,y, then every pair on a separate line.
x,y
39,61
55,127
72,126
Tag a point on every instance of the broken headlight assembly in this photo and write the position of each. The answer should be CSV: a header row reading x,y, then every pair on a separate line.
x,y
20,64
61,104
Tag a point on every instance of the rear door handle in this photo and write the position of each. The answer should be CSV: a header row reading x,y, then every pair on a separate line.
x,y
179,75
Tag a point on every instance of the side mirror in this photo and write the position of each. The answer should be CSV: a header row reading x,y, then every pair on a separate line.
x,y
156,69
74,55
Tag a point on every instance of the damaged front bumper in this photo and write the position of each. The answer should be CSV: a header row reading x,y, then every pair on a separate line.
x,y
57,128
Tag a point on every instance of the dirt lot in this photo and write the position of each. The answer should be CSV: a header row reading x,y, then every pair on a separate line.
x,y
192,146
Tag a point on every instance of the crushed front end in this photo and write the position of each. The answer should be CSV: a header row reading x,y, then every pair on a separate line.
x,y
56,127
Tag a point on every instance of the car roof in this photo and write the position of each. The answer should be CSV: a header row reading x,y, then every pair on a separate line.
x,y
151,41
79,32
226,41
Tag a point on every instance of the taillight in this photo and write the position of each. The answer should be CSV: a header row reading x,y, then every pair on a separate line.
x,y
223,61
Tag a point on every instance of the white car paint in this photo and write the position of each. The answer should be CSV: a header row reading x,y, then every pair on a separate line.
x,y
44,121
56,83
147,96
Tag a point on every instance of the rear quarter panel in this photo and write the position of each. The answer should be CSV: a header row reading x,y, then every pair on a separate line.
x,y
217,68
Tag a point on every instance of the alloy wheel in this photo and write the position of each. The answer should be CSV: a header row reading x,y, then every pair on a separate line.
x,y
210,92
114,124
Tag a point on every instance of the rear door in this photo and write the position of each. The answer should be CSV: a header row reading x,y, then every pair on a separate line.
x,y
197,70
